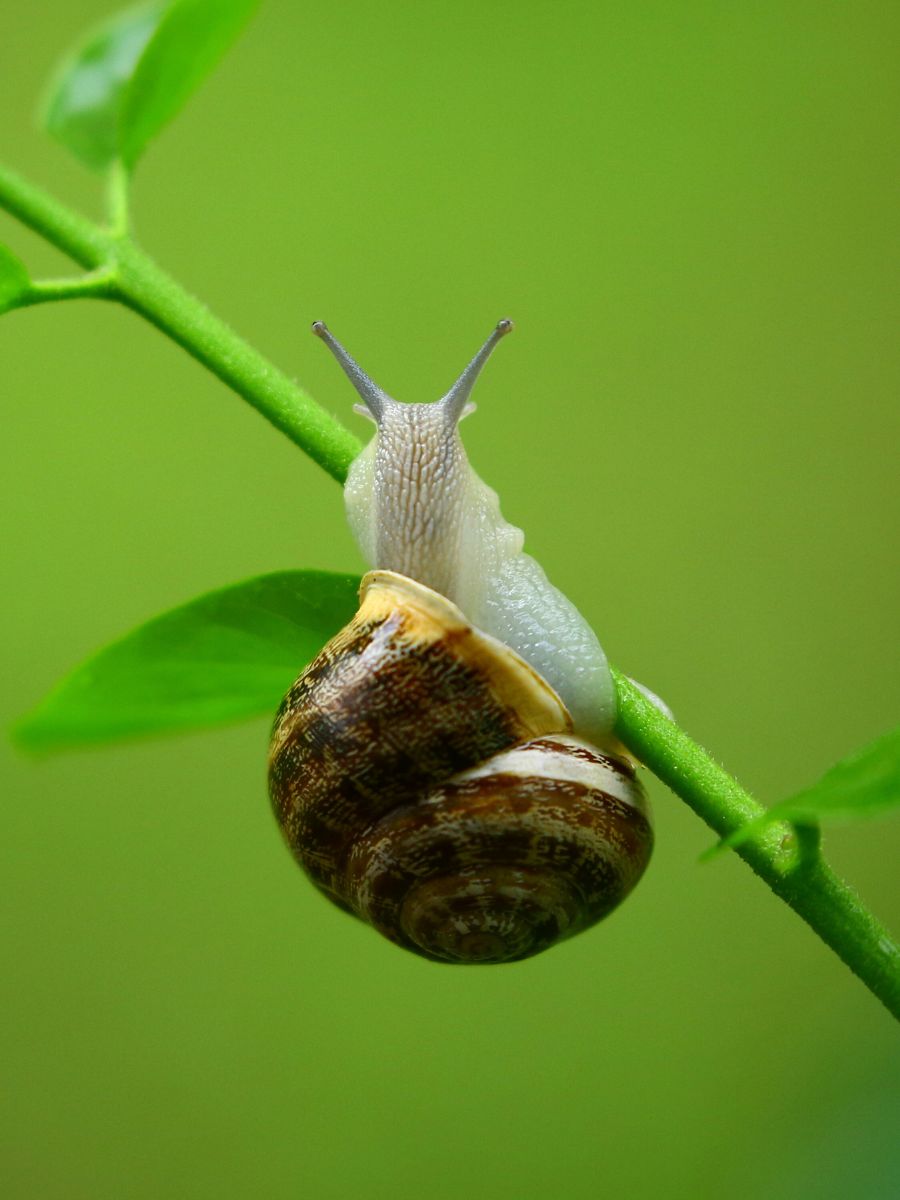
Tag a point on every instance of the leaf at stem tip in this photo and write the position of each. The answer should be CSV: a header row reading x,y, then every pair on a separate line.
x,y
190,39
14,280
131,75
226,656
82,108
864,784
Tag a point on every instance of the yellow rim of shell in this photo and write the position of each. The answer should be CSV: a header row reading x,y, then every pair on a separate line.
x,y
432,618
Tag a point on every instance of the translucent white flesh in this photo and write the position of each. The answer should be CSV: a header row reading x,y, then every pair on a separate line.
x,y
415,506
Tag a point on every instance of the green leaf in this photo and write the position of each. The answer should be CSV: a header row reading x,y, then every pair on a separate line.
x,y
131,75
191,38
14,281
83,106
228,655
862,785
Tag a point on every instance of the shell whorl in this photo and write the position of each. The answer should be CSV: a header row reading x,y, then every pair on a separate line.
x,y
502,860
426,779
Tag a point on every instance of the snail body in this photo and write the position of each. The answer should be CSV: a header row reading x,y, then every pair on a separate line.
x,y
445,768
416,506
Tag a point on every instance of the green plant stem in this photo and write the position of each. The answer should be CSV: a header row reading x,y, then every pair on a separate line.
x,y
117,199
792,866
788,859
141,285
98,285
156,296
78,237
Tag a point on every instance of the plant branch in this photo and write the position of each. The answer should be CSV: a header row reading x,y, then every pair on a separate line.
x,y
75,235
788,859
99,284
117,199
142,286
789,862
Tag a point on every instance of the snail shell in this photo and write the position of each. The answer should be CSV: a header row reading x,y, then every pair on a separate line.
x,y
427,779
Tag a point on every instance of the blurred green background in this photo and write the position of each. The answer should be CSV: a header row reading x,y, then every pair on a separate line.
x,y
691,212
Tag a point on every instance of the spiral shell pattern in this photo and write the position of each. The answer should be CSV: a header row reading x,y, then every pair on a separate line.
x,y
427,780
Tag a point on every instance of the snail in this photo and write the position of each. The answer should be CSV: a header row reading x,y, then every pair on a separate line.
x,y
445,769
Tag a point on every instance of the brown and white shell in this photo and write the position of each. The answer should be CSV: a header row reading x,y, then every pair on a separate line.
x,y
427,780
